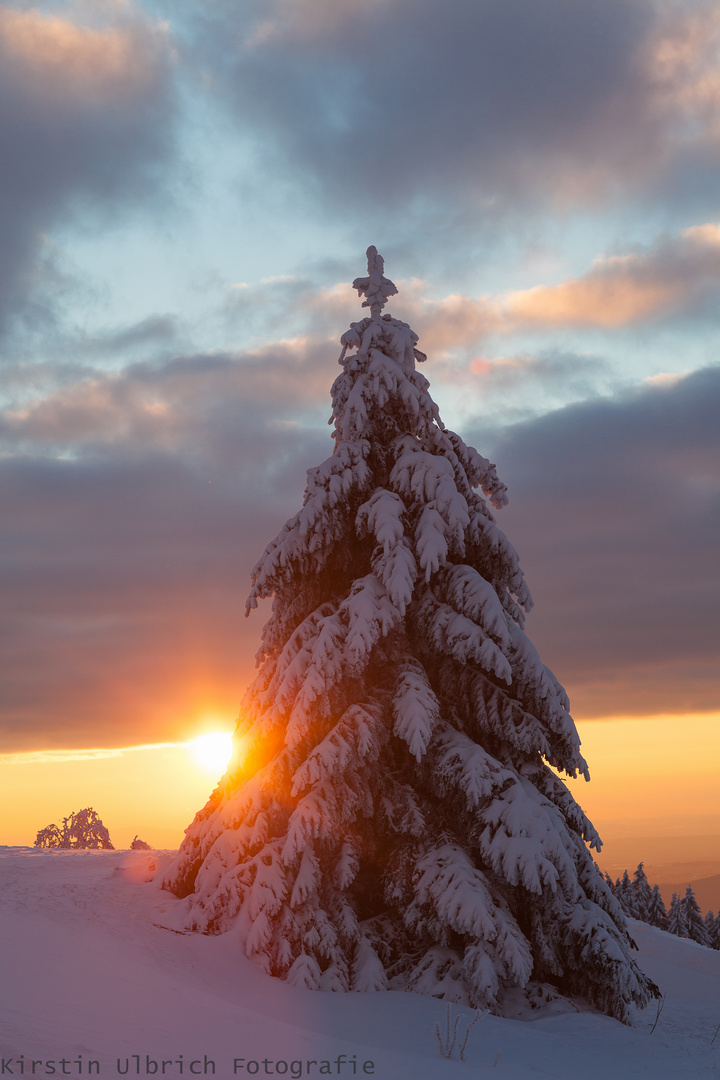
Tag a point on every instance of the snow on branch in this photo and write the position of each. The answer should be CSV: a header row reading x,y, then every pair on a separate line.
x,y
356,738
370,614
449,883
487,544
319,814
415,707
503,717
382,515
525,842
458,636
376,288
307,537
470,594
480,472
553,788
460,764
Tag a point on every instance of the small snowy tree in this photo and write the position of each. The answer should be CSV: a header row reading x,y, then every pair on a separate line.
x,y
49,837
625,895
641,893
712,924
710,927
656,912
139,845
694,922
81,830
676,917
392,816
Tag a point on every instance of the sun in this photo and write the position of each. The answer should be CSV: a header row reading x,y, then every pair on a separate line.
x,y
212,751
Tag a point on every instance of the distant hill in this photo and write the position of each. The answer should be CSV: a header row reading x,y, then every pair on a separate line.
x,y
666,858
706,889
674,862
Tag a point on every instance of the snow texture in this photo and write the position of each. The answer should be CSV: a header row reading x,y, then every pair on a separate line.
x,y
392,816
95,968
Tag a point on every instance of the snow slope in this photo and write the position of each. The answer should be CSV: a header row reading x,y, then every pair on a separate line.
x,y
88,975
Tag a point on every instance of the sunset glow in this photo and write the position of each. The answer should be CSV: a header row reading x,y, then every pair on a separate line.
x,y
212,751
641,783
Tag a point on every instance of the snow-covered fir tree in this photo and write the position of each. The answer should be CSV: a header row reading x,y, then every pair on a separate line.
x,y
712,923
641,892
693,918
625,895
656,912
392,816
710,927
676,917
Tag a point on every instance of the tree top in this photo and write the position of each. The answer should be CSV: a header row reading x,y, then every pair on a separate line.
x,y
376,288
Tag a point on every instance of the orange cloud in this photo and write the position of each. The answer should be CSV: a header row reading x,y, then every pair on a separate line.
x,y
165,405
681,64
611,295
75,62
668,279
622,290
674,276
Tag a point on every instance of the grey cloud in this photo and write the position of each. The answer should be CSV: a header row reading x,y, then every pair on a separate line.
x,y
86,123
123,585
396,103
676,277
518,387
615,511
126,560
210,407
127,553
154,330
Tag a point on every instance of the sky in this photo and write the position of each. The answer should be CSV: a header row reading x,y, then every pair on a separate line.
x,y
187,191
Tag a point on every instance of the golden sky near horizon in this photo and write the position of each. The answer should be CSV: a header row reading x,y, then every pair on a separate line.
x,y
651,768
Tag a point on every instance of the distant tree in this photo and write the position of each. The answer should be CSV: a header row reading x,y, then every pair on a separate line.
x,y
676,918
715,932
641,893
81,830
694,922
139,845
624,892
656,911
49,837
712,925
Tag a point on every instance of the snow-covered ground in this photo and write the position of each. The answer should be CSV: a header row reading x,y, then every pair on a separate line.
x,y
89,974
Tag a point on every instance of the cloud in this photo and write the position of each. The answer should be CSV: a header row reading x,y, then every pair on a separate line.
x,y
129,533
677,276
680,58
519,386
56,56
407,106
135,504
210,407
86,121
55,757
615,508
123,588
151,331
